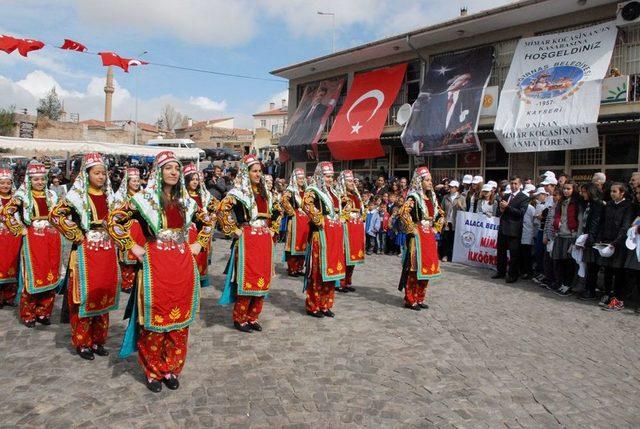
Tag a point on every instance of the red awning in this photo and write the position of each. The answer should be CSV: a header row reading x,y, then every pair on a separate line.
x,y
356,131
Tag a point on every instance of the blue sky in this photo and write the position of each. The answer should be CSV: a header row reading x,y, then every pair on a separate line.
x,y
233,36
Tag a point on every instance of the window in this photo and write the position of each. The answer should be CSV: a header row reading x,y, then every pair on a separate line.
x,y
495,155
503,55
626,54
263,123
622,149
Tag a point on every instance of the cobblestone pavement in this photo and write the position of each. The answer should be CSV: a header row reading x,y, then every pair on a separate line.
x,y
484,355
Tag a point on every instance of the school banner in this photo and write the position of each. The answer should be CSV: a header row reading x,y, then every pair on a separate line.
x,y
476,240
551,97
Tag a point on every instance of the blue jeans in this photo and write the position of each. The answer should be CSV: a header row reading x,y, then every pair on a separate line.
x,y
381,241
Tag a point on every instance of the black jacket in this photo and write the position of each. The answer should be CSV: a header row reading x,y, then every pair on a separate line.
x,y
616,220
511,217
592,216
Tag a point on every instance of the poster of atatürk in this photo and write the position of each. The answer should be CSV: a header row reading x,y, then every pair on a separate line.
x,y
307,123
444,117
551,97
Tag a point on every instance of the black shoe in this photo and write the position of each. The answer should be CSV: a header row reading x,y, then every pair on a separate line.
x,y
498,276
255,326
351,289
328,313
29,323
414,307
343,290
44,321
100,350
587,296
317,314
423,305
242,327
172,382
511,280
86,353
154,385
604,301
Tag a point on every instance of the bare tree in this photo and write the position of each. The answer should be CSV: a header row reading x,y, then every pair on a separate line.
x,y
50,105
171,118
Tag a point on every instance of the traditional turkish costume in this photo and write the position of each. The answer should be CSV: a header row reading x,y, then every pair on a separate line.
x,y
206,202
165,298
129,264
10,245
420,262
94,279
297,224
41,252
250,216
353,215
325,261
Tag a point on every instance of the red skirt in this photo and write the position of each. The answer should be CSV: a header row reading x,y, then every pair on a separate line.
x,y
41,257
10,245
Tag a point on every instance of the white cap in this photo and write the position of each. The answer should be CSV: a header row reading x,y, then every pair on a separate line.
x,y
528,188
467,179
507,190
454,183
605,250
549,181
549,173
477,179
487,188
540,191
493,184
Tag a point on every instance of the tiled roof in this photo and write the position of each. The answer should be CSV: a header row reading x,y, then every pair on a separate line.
x,y
280,111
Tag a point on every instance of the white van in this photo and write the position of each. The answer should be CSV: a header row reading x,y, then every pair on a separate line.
x,y
180,143
12,161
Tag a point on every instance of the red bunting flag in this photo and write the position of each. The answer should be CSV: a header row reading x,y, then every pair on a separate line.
x,y
9,44
27,45
111,59
73,46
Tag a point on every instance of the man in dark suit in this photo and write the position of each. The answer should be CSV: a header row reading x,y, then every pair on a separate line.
x,y
307,124
443,119
512,210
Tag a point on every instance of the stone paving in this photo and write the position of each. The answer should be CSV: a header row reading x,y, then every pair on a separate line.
x,y
485,355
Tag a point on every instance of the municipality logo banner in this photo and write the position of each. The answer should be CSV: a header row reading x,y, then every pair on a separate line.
x,y
551,97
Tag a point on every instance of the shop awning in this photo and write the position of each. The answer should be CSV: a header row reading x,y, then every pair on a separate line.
x,y
356,131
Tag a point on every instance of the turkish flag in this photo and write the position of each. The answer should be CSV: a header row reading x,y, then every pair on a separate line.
x,y
356,131
27,45
73,46
111,59
8,44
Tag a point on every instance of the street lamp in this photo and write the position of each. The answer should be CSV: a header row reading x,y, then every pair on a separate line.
x,y
135,80
333,28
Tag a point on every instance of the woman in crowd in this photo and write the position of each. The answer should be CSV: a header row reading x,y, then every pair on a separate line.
x,y
353,216
297,223
10,245
613,232
418,216
41,253
93,275
590,225
566,220
199,193
529,233
249,214
487,204
165,299
129,186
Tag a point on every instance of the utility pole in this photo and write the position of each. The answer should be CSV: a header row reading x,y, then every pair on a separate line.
x,y
333,28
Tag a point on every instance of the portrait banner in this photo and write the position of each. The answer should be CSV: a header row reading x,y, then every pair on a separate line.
x,y
551,97
300,139
444,117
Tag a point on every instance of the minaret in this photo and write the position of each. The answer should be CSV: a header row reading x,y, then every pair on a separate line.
x,y
108,92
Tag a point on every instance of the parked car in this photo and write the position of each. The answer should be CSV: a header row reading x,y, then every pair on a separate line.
x,y
12,161
229,154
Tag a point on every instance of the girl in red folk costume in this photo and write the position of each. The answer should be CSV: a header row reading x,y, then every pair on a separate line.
x,y
248,213
418,217
128,262
325,263
295,245
94,274
41,252
199,193
354,236
165,298
10,245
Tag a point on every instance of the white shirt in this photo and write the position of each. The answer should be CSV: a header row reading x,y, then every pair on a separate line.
x,y
454,95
